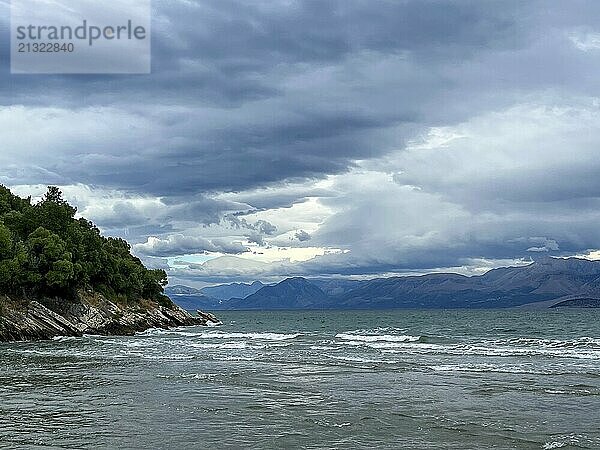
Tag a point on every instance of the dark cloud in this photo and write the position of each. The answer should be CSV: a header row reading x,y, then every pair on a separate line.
x,y
178,244
264,227
259,106
302,236
306,103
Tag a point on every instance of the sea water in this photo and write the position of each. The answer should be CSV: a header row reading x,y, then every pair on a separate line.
x,y
352,379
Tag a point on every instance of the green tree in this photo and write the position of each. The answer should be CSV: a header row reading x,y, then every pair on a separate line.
x,y
6,242
49,266
45,251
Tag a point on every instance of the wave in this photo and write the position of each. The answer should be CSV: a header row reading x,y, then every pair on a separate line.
x,y
570,440
194,376
582,342
323,347
554,444
587,348
252,336
486,368
377,337
225,346
168,357
489,349
324,423
380,330
357,359
577,348
65,338
186,332
388,341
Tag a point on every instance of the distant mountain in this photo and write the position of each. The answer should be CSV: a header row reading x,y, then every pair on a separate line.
x,y
234,290
544,280
335,286
546,283
211,298
194,302
293,293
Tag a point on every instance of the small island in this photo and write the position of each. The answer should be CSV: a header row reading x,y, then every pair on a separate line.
x,y
60,277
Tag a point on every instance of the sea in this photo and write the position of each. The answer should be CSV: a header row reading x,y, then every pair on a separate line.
x,y
461,379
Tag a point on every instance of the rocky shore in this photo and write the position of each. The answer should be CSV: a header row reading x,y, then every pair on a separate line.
x,y
22,320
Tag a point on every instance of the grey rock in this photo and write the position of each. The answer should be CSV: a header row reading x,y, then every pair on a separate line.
x,y
208,318
90,314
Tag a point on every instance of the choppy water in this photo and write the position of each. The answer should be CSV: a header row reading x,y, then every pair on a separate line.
x,y
401,379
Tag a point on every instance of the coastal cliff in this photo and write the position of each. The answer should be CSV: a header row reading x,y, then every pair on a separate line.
x,y
22,320
60,277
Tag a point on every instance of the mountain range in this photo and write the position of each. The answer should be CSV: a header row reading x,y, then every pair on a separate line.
x,y
227,291
549,282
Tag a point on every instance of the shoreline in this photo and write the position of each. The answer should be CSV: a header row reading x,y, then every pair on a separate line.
x,y
46,319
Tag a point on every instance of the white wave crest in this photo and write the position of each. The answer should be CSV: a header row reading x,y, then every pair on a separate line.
x,y
224,345
251,336
223,335
581,342
554,444
377,337
65,338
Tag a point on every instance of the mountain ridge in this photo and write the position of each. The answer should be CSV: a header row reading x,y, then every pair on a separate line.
x,y
233,290
550,280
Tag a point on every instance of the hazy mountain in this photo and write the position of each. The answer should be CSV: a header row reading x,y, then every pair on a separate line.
x,y
211,298
335,286
548,282
292,293
234,290
202,302
544,280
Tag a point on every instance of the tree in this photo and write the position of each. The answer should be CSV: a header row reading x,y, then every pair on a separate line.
x,y
6,242
49,267
45,251
53,212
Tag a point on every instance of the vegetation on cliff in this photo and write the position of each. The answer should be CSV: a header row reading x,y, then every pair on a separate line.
x,y
46,252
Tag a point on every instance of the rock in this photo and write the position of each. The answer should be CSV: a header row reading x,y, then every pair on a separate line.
x,y
208,319
90,314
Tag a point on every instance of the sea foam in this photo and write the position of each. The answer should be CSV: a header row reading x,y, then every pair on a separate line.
x,y
377,337
251,336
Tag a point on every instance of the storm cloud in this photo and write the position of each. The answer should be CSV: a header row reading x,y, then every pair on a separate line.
x,y
393,135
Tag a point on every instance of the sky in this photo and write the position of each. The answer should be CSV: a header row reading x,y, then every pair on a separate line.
x,y
327,138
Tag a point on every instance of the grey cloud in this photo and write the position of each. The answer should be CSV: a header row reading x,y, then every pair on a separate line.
x,y
260,226
541,244
281,195
179,244
302,236
264,227
254,232
200,209
247,99
256,238
254,53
